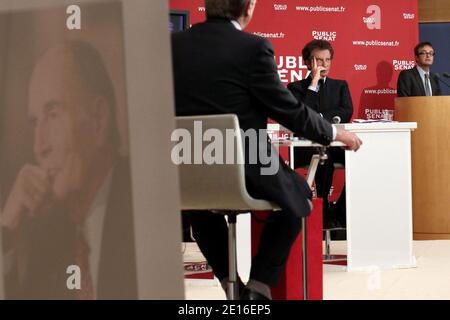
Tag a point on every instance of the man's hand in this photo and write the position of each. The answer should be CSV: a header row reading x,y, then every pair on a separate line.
x,y
30,190
315,72
350,139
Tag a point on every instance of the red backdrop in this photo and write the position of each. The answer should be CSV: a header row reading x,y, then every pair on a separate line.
x,y
373,41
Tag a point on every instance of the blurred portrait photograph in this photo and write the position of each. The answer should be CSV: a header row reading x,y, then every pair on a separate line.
x,y
67,228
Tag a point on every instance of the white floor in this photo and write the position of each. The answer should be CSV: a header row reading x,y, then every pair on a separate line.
x,y
430,280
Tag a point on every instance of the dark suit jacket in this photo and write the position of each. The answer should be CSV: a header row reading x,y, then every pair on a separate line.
x,y
219,69
337,99
333,99
409,84
45,247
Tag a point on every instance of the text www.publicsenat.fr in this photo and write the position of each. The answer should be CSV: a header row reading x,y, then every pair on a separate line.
x,y
320,9
376,43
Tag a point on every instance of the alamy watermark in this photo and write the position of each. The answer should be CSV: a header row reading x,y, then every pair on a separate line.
x,y
214,146
73,281
73,21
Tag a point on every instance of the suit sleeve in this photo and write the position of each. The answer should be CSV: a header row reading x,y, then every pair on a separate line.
x,y
344,109
403,90
308,97
278,102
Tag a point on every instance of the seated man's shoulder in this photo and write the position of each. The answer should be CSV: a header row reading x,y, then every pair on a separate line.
x,y
340,82
294,84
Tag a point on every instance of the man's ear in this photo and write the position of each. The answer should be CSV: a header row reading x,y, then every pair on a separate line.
x,y
250,7
245,18
101,114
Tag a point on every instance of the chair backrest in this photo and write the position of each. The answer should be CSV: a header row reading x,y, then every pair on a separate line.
x,y
214,185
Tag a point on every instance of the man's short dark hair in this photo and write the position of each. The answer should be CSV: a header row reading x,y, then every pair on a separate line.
x,y
316,44
420,46
228,9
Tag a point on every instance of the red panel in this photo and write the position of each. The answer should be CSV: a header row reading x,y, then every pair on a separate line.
x,y
291,283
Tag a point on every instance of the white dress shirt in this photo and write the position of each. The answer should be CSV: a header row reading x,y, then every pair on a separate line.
x,y
422,76
236,25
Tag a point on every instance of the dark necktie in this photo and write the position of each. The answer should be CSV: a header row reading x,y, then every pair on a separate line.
x,y
322,96
427,85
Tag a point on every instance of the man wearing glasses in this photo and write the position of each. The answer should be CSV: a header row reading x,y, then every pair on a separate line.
x,y
419,81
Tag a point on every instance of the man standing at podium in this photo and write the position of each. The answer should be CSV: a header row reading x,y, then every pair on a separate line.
x,y
419,81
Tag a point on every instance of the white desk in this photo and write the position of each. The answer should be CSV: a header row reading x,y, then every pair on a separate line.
x,y
378,194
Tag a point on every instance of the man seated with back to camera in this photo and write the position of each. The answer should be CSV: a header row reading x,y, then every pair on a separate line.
x,y
219,69
331,99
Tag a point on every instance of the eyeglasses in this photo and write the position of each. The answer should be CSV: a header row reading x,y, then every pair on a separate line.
x,y
428,54
322,61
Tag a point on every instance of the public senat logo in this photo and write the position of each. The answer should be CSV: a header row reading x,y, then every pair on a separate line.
x,y
374,20
409,16
324,35
291,68
360,67
280,7
403,64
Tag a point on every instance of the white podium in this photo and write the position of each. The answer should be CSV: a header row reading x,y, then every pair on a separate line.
x,y
379,197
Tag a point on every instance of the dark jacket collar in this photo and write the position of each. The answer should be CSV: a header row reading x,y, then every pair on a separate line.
x,y
218,20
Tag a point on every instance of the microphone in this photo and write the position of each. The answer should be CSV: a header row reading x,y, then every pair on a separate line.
x,y
336,120
445,74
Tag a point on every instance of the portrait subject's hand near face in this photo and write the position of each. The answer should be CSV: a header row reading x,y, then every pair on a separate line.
x,y
31,190
316,71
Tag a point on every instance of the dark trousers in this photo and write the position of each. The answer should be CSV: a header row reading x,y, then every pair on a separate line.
x,y
279,233
324,175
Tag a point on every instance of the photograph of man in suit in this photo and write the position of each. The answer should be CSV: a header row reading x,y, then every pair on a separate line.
x,y
219,69
419,81
331,99
71,204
